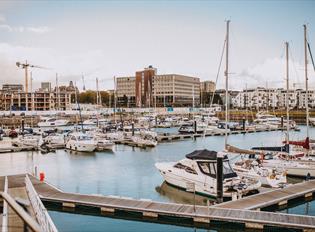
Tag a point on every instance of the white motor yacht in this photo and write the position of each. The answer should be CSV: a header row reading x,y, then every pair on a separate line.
x,y
27,140
144,140
79,141
199,168
104,144
52,122
55,139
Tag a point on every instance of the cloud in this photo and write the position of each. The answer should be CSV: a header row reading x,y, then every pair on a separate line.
x,y
69,66
37,30
2,18
270,72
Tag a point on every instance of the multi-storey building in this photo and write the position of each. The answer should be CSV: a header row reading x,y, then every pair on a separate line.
x,y
126,90
261,98
39,100
176,90
207,86
13,87
147,89
45,86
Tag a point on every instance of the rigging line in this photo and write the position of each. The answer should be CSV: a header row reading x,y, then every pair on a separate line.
x,y
293,61
218,73
309,50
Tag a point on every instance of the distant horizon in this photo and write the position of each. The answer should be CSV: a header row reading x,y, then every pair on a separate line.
x,y
104,39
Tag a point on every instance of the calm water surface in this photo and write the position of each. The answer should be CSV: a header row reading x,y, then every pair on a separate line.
x,y
129,172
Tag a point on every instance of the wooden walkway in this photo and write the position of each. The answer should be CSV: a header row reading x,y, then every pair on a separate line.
x,y
170,137
201,214
273,197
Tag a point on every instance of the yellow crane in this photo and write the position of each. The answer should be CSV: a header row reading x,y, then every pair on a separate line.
x,y
25,66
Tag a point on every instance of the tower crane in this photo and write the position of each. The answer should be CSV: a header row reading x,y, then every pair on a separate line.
x,y
25,66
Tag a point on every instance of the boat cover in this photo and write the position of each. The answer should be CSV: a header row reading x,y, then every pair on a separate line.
x,y
203,155
230,148
284,148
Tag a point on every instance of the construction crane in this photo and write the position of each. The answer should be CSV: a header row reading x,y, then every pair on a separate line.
x,y
25,66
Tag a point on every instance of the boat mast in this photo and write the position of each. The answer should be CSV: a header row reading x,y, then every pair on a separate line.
x,y
115,100
287,83
306,81
226,79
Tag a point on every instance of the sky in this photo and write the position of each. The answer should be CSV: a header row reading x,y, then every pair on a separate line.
x,y
103,39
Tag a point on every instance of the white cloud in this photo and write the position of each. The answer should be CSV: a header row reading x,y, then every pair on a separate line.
x,y
271,72
2,18
68,66
38,30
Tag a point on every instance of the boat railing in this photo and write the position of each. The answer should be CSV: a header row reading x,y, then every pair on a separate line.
x,y
41,213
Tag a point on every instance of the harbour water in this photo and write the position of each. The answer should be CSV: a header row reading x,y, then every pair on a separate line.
x,y
130,172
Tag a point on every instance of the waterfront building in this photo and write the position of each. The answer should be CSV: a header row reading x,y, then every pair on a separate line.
x,y
13,87
46,86
147,89
263,98
207,86
126,91
39,100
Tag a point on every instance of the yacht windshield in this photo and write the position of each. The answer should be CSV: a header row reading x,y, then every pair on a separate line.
x,y
210,169
81,138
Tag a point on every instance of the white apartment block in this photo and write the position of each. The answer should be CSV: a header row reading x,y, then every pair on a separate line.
x,y
261,98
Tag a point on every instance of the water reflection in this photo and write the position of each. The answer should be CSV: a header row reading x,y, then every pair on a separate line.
x,y
180,196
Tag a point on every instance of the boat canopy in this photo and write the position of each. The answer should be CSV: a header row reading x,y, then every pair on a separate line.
x,y
203,155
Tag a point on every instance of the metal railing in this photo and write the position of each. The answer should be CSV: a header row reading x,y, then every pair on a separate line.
x,y
31,223
5,208
41,213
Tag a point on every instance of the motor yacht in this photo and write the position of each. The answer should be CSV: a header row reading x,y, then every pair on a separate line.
x,y
52,122
79,141
147,140
199,168
55,139
104,144
28,141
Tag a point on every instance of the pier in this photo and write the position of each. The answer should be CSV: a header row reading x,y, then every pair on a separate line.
x,y
171,137
104,205
277,197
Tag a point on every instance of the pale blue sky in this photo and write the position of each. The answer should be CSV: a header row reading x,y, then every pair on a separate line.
x,y
106,38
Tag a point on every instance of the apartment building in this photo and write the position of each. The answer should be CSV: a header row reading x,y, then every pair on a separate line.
x,y
39,100
262,98
147,89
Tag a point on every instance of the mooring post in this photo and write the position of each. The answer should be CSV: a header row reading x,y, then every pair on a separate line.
x,y
22,126
243,123
195,126
133,128
219,177
282,122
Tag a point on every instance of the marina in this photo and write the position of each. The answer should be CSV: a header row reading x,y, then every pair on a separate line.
x,y
129,194
114,117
